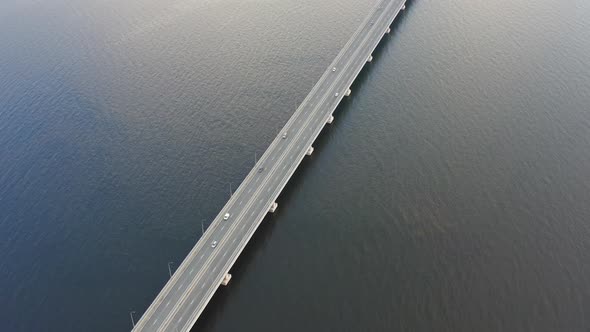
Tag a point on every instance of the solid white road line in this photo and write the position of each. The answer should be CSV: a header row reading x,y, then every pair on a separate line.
x,y
363,41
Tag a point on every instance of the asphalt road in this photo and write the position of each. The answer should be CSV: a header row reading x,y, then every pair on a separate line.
x,y
184,297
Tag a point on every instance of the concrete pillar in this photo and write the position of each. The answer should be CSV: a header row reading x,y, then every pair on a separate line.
x,y
388,30
226,279
273,207
309,151
348,92
370,58
330,119
404,7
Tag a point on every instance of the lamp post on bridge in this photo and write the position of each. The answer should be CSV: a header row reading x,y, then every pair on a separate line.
x,y
170,269
202,226
132,320
230,191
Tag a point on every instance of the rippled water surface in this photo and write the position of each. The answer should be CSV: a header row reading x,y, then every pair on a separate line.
x,y
452,193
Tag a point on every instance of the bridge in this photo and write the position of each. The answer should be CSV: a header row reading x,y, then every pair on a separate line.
x,y
207,266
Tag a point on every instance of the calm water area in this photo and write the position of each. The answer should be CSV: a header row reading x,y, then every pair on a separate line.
x,y
452,192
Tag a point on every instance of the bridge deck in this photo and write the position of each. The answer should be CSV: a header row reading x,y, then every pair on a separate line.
x,y
184,297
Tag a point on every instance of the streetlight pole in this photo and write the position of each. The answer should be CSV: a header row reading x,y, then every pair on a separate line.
x,y
202,226
169,269
132,320
230,191
255,159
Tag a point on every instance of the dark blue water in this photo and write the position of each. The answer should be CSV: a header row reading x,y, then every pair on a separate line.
x,y
451,193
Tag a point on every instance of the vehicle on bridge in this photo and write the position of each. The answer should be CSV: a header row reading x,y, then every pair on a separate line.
x,y
226,216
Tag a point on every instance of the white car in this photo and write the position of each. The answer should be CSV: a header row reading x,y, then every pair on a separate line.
x,y
213,244
226,216
284,135
337,94
334,69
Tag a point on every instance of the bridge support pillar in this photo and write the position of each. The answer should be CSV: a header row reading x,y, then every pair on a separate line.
x,y
388,30
348,92
309,151
330,119
273,207
226,279
370,58
404,7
